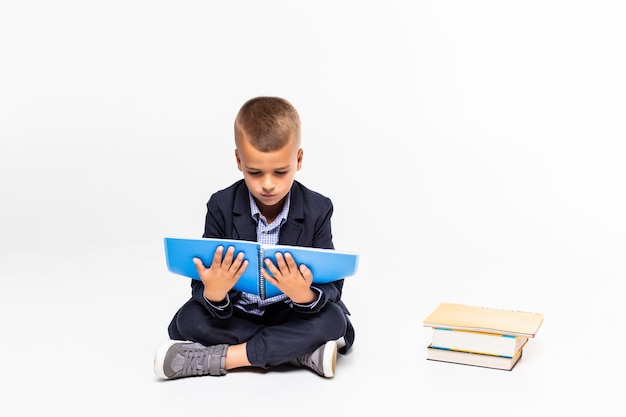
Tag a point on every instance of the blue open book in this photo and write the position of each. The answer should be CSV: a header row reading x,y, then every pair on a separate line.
x,y
327,265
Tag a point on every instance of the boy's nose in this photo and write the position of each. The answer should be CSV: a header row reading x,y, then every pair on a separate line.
x,y
267,183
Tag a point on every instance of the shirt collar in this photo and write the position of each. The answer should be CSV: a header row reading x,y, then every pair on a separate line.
x,y
280,219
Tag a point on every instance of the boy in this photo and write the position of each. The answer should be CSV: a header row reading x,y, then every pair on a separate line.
x,y
219,328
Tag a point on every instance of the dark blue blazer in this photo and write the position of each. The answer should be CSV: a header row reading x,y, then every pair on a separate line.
x,y
308,224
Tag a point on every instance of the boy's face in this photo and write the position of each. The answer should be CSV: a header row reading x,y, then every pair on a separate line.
x,y
268,175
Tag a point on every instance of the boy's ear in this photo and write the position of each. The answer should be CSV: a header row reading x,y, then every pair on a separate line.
x,y
299,159
238,160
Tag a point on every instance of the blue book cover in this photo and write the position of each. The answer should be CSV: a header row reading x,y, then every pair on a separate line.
x,y
326,265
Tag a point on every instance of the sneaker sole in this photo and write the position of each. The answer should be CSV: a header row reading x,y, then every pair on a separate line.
x,y
159,357
330,358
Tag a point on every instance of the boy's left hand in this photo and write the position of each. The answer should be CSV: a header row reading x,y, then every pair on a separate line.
x,y
293,280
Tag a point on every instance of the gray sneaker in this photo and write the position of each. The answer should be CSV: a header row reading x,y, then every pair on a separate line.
x,y
179,359
322,360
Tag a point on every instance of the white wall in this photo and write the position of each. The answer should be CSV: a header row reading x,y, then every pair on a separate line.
x,y
494,129
474,151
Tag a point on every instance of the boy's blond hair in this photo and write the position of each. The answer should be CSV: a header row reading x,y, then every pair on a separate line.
x,y
268,122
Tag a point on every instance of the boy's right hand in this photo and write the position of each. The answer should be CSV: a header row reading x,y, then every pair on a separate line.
x,y
222,275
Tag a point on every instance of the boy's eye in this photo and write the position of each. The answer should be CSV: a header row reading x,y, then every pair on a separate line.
x,y
258,173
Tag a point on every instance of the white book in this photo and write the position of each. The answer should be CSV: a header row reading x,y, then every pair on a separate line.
x,y
473,359
477,342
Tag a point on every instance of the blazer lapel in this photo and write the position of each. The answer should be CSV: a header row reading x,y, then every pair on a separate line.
x,y
244,225
291,230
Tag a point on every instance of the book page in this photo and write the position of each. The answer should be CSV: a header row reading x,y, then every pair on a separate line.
x,y
179,255
326,265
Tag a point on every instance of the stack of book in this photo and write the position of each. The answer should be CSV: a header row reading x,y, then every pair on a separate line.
x,y
480,336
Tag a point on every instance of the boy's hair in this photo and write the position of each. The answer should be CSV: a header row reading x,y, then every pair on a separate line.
x,y
269,122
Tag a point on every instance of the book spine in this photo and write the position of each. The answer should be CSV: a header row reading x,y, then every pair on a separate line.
x,y
261,279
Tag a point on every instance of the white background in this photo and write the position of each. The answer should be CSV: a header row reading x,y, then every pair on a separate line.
x,y
474,151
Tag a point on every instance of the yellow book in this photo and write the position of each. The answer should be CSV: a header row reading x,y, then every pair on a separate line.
x,y
481,319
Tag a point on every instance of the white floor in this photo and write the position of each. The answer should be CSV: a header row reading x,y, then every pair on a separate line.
x,y
80,326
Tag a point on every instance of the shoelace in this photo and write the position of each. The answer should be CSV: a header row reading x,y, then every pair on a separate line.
x,y
196,362
307,360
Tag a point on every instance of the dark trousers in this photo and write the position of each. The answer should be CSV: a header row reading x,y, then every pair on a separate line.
x,y
280,335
